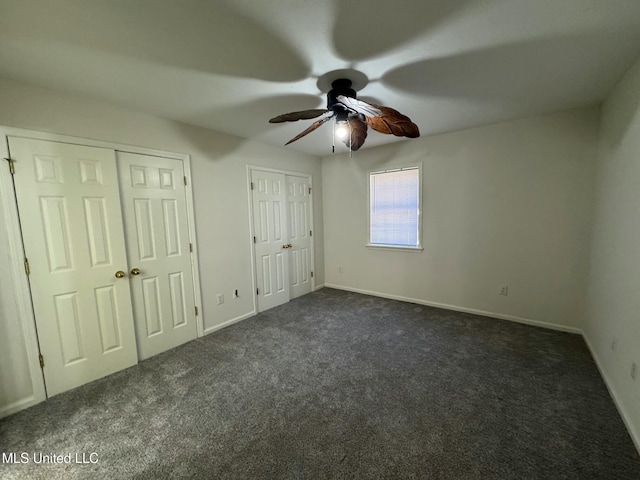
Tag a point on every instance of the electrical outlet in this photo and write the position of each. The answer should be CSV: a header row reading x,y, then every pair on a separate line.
x,y
220,298
634,370
504,290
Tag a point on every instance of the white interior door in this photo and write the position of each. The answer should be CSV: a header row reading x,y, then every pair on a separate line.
x,y
74,242
158,249
270,238
299,230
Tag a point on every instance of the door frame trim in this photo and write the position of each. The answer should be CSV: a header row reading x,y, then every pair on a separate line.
x,y
26,320
10,206
254,277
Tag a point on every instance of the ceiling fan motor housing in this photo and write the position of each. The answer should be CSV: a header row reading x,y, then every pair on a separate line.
x,y
341,86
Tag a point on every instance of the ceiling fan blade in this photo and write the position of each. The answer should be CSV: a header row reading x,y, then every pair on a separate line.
x,y
359,106
392,122
295,116
358,135
311,128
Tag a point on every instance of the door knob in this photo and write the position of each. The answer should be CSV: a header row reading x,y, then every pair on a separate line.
x,y
288,245
135,271
119,274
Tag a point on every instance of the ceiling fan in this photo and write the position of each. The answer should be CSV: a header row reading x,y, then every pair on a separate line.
x,y
352,117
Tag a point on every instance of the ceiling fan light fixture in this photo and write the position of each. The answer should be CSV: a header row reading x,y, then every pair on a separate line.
x,y
342,130
342,124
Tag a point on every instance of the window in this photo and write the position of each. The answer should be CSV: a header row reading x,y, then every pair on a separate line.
x,y
394,208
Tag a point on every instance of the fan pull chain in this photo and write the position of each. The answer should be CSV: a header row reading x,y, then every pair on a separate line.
x,y
333,138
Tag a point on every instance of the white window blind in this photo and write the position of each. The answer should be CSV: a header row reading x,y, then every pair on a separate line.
x,y
395,207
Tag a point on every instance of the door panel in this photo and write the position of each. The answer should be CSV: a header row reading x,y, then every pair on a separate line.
x,y
269,198
299,222
72,229
156,229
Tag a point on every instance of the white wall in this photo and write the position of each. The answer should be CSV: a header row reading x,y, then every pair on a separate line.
x,y
219,172
612,326
505,204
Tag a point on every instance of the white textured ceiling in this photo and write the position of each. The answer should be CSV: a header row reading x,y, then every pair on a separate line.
x,y
230,65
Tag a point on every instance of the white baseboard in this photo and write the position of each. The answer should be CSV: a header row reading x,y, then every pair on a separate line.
x,y
633,432
241,317
501,316
229,322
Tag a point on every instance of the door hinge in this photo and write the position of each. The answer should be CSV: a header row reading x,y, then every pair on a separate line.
x,y
12,166
254,240
251,185
311,233
41,360
196,308
309,190
257,291
27,269
191,247
311,274
185,180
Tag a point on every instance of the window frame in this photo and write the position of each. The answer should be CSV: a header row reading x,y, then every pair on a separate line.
x,y
389,169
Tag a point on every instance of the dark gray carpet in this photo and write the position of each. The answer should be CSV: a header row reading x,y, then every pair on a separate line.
x,y
341,385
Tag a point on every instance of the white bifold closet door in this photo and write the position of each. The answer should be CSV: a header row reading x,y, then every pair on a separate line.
x,y
74,242
106,238
282,236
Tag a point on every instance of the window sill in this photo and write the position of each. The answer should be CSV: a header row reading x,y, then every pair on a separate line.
x,y
394,247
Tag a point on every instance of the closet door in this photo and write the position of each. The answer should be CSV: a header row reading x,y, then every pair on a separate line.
x,y
281,206
299,231
270,238
158,249
71,221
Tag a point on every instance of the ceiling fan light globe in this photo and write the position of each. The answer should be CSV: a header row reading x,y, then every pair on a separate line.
x,y
342,130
